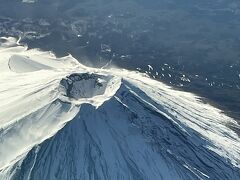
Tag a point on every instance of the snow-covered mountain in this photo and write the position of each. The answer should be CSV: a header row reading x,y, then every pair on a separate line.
x,y
60,120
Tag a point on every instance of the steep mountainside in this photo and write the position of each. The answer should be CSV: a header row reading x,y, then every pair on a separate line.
x,y
62,120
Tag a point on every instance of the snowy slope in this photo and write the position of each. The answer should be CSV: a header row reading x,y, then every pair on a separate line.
x,y
62,120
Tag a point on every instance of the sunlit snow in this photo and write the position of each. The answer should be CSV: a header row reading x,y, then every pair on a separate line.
x,y
62,120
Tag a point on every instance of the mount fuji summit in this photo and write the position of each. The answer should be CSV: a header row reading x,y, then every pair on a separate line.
x,y
61,120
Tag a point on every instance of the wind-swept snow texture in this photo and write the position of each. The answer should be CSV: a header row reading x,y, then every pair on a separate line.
x,y
60,120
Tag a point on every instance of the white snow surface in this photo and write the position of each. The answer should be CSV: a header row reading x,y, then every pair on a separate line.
x,y
28,1
62,120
